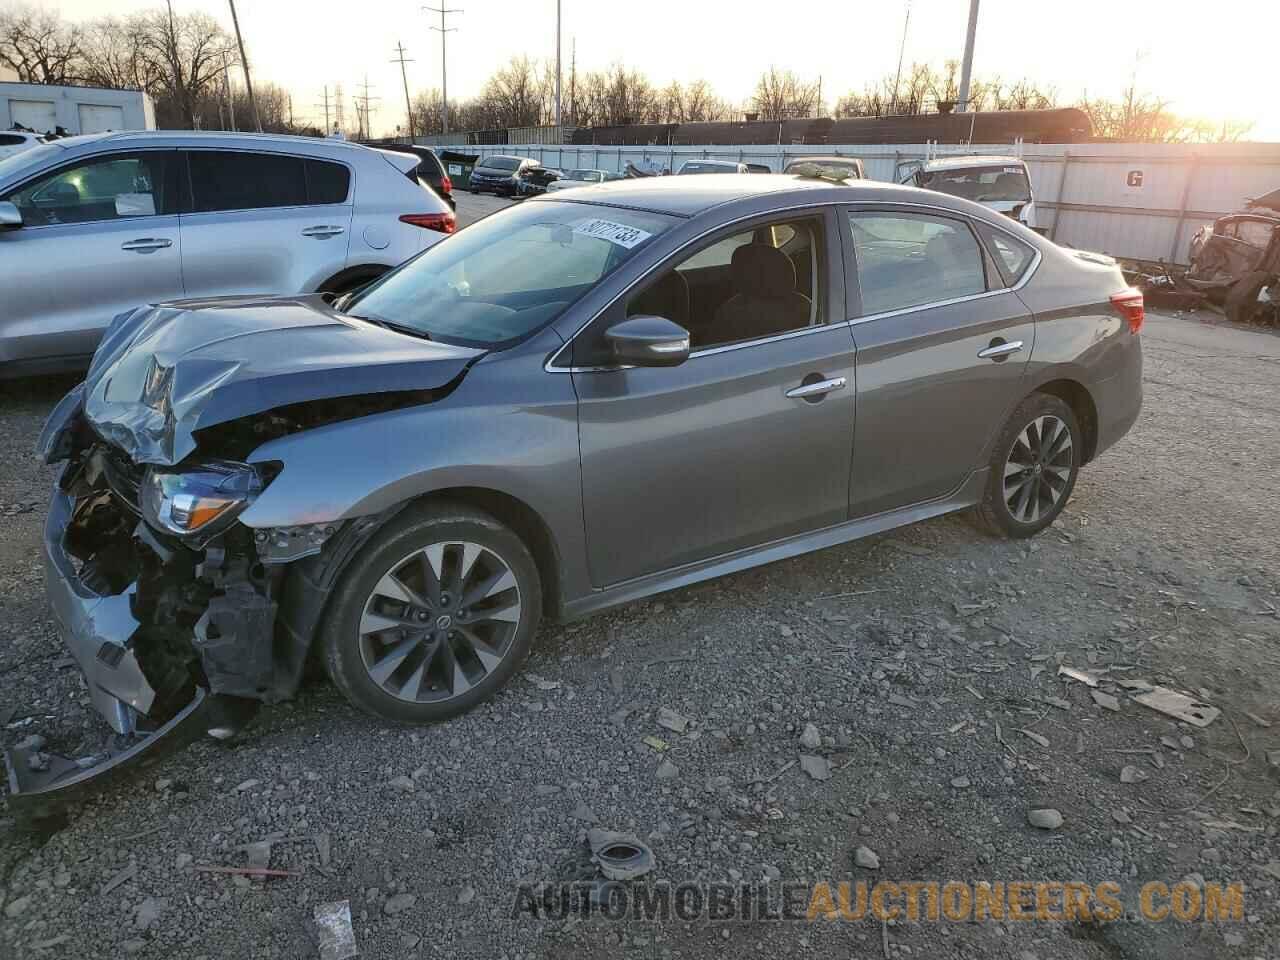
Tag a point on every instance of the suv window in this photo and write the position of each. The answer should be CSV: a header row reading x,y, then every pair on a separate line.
x,y
750,285
327,182
9,140
233,180
908,260
1012,255
105,188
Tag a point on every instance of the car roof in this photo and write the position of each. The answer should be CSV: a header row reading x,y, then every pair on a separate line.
x,y
689,196
945,163
824,158
214,138
711,162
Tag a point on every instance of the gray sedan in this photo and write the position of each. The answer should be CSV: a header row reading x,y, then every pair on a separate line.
x,y
575,403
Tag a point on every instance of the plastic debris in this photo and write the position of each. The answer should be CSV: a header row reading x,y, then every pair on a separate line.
x,y
1179,706
620,856
1082,675
337,941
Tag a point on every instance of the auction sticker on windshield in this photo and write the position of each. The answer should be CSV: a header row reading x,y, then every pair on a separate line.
x,y
619,233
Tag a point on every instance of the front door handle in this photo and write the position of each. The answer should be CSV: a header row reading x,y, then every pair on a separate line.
x,y
146,244
808,391
321,232
1000,349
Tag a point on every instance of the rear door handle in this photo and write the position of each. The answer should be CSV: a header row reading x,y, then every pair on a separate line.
x,y
807,391
321,232
1000,349
146,244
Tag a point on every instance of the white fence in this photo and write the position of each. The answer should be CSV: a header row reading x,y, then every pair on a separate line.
x,y
1138,200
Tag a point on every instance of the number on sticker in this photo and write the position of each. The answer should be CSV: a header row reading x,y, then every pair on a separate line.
x,y
619,233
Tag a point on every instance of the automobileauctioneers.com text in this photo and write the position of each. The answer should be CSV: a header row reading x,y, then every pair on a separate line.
x,y
954,901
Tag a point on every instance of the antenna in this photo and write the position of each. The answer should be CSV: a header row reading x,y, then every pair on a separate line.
x,y
444,30
405,79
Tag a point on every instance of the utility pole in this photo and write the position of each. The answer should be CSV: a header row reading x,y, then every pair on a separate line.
x,y
573,82
366,131
405,79
338,119
902,48
231,98
444,70
966,66
325,104
244,62
557,63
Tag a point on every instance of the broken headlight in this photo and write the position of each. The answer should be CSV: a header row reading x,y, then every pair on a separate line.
x,y
200,501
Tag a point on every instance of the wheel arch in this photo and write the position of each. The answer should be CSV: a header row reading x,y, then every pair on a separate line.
x,y
1077,396
349,277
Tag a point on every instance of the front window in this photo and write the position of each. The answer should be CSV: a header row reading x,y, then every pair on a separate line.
x,y
1006,182
106,188
509,274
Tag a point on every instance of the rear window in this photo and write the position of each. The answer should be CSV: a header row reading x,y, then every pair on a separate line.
x,y
430,165
982,184
500,163
1012,255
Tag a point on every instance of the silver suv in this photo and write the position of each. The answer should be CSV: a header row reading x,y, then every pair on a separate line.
x,y
96,225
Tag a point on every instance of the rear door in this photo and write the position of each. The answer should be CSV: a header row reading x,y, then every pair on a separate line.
x,y
99,236
943,344
271,223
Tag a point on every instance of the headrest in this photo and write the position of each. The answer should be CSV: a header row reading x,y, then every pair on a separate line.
x,y
759,270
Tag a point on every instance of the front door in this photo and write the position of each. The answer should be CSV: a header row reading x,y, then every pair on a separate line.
x,y
943,346
99,237
750,439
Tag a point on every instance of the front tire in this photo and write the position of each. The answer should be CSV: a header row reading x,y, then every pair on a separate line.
x,y
434,615
1033,467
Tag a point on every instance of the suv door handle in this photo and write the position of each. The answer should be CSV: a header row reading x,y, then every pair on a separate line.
x,y
808,391
321,232
146,244
1000,349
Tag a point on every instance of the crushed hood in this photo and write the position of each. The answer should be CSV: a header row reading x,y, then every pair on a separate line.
x,y
162,373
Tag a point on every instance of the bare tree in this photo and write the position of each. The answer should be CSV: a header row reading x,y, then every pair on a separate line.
x,y
701,103
781,95
40,46
189,53
116,54
1144,117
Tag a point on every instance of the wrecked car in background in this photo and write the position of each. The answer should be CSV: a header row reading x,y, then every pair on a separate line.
x,y
1236,261
538,415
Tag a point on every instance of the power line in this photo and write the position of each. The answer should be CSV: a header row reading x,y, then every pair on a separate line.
x,y
444,31
325,104
362,109
408,107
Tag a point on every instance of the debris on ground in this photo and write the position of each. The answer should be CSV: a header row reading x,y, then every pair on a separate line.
x,y
866,858
1105,700
670,720
1082,675
337,940
1045,818
1131,774
620,856
1178,705
655,743
819,768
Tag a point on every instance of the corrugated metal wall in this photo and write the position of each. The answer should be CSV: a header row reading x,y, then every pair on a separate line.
x,y
1140,200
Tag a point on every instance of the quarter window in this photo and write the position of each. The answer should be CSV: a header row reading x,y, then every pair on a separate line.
x,y
108,188
909,260
1012,255
327,182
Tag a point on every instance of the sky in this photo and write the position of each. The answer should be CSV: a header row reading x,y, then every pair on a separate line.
x,y
1185,51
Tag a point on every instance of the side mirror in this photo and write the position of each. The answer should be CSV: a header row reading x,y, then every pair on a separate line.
x,y
648,342
10,216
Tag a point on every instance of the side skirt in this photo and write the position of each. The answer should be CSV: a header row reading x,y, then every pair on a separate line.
x,y
967,495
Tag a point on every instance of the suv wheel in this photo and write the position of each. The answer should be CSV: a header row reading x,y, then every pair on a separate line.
x,y
433,616
1033,467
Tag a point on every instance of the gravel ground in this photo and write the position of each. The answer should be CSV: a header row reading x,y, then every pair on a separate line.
x,y
912,655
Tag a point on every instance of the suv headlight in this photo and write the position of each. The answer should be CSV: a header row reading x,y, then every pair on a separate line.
x,y
200,501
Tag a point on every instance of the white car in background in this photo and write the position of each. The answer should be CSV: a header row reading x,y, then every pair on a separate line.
x,y
15,141
93,226
577,178
1002,184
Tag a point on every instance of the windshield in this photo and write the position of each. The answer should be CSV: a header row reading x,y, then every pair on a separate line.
x,y
1004,182
509,274
500,163
704,167
583,175
20,162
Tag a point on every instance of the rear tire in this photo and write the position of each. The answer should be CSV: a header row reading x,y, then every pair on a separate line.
x,y
1033,468
434,615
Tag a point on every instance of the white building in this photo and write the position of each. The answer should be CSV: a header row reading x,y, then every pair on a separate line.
x,y
43,107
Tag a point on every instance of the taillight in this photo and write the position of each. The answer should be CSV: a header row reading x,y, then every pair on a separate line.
x,y
1130,306
444,222
446,184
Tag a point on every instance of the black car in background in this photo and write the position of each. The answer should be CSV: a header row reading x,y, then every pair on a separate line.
x,y
430,170
499,174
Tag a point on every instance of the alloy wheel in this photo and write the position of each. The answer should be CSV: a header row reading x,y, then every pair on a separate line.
x,y
440,621
1038,471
